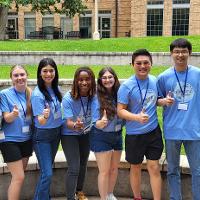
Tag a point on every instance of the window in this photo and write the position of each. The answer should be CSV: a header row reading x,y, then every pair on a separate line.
x,y
154,2
85,24
154,22
66,24
180,23
47,20
104,23
181,1
29,23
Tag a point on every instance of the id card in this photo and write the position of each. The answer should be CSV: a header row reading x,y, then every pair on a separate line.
x,y
2,135
118,127
57,115
183,106
25,129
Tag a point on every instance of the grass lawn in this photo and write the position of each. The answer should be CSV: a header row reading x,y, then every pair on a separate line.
x,y
153,44
68,71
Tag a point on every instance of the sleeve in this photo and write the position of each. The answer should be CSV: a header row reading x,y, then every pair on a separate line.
x,y
123,94
67,108
4,103
95,110
38,105
161,87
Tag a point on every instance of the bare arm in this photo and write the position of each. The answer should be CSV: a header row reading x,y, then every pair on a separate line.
x,y
123,113
11,116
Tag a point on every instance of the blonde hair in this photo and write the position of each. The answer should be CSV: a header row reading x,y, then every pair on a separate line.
x,y
28,90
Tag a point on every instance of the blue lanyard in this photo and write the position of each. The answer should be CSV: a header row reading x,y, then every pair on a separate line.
x,y
142,99
182,89
82,105
21,103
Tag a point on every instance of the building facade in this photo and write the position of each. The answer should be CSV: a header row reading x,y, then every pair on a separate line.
x,y
116,18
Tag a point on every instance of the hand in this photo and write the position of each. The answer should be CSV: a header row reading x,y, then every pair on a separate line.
x,y
143,117
104,119
169,100
79,124
46,111
15,111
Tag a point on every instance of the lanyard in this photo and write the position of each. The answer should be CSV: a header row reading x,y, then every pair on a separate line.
x,y
142,99
21,103
82,105
54,104
182,89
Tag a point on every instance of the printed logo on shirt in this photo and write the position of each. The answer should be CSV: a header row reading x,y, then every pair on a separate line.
x,y
150,98
189,92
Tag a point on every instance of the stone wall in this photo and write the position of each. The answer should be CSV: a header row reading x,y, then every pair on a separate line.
x,y
86,58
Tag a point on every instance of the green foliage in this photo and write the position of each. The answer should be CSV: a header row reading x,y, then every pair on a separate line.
x,y
68,7
153,44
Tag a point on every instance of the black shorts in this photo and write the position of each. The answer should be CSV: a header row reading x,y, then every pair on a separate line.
x,y
149,145
14,151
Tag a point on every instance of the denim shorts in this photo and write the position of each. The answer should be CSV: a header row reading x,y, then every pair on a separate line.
x,y
105,141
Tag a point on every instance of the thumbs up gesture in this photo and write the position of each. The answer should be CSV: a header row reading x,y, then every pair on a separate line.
x,y
46,111
169,100
143,117
15,111
79,124
103,122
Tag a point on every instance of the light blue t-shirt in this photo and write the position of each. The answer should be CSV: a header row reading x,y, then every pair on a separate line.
x,y
18,130
73,109
39,104
113,125
181,124
129,94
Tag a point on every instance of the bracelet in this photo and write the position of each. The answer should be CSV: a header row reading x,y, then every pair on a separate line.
x,y
74,126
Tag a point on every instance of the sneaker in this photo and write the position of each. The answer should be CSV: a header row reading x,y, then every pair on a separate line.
x,y
111,197
81,196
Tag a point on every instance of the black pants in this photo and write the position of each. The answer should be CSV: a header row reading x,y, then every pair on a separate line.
x,y
76,149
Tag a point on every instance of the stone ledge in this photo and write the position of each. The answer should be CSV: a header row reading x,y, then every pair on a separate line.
x,y
60,162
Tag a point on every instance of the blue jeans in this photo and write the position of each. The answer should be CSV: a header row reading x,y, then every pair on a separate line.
x,y
45,145
192,149
76,149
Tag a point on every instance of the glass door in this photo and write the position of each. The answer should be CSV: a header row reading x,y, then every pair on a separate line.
x,y
105,27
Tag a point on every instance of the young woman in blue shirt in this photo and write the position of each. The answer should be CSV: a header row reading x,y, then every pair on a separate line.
x,y
15,135
76,129
46,103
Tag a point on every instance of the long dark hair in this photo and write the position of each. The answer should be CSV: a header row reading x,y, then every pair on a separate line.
x,y
75,89
41,84
107,100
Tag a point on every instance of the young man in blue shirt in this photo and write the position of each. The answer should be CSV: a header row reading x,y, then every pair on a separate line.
x,y
137,98
181,116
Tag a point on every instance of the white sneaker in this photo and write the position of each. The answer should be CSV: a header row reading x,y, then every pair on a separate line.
x,y
111,197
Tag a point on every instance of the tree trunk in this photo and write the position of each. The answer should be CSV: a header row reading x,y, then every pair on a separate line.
x,y
3,21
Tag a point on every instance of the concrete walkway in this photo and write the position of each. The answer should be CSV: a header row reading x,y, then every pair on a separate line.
x,y
94,198
91,198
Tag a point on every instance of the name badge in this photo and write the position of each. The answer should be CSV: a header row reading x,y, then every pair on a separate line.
x,y
2,135
25,129
57,115
118,127
183,106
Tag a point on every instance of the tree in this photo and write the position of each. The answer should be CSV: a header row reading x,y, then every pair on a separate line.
x,y
68,7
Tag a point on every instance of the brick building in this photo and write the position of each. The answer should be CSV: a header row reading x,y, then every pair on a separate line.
x,y
117,18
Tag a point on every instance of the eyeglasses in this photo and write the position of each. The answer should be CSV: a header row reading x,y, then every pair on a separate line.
x,y
145,63
184,52
107,77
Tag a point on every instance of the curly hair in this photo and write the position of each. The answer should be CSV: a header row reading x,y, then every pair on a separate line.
x,y
107,100
75,88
